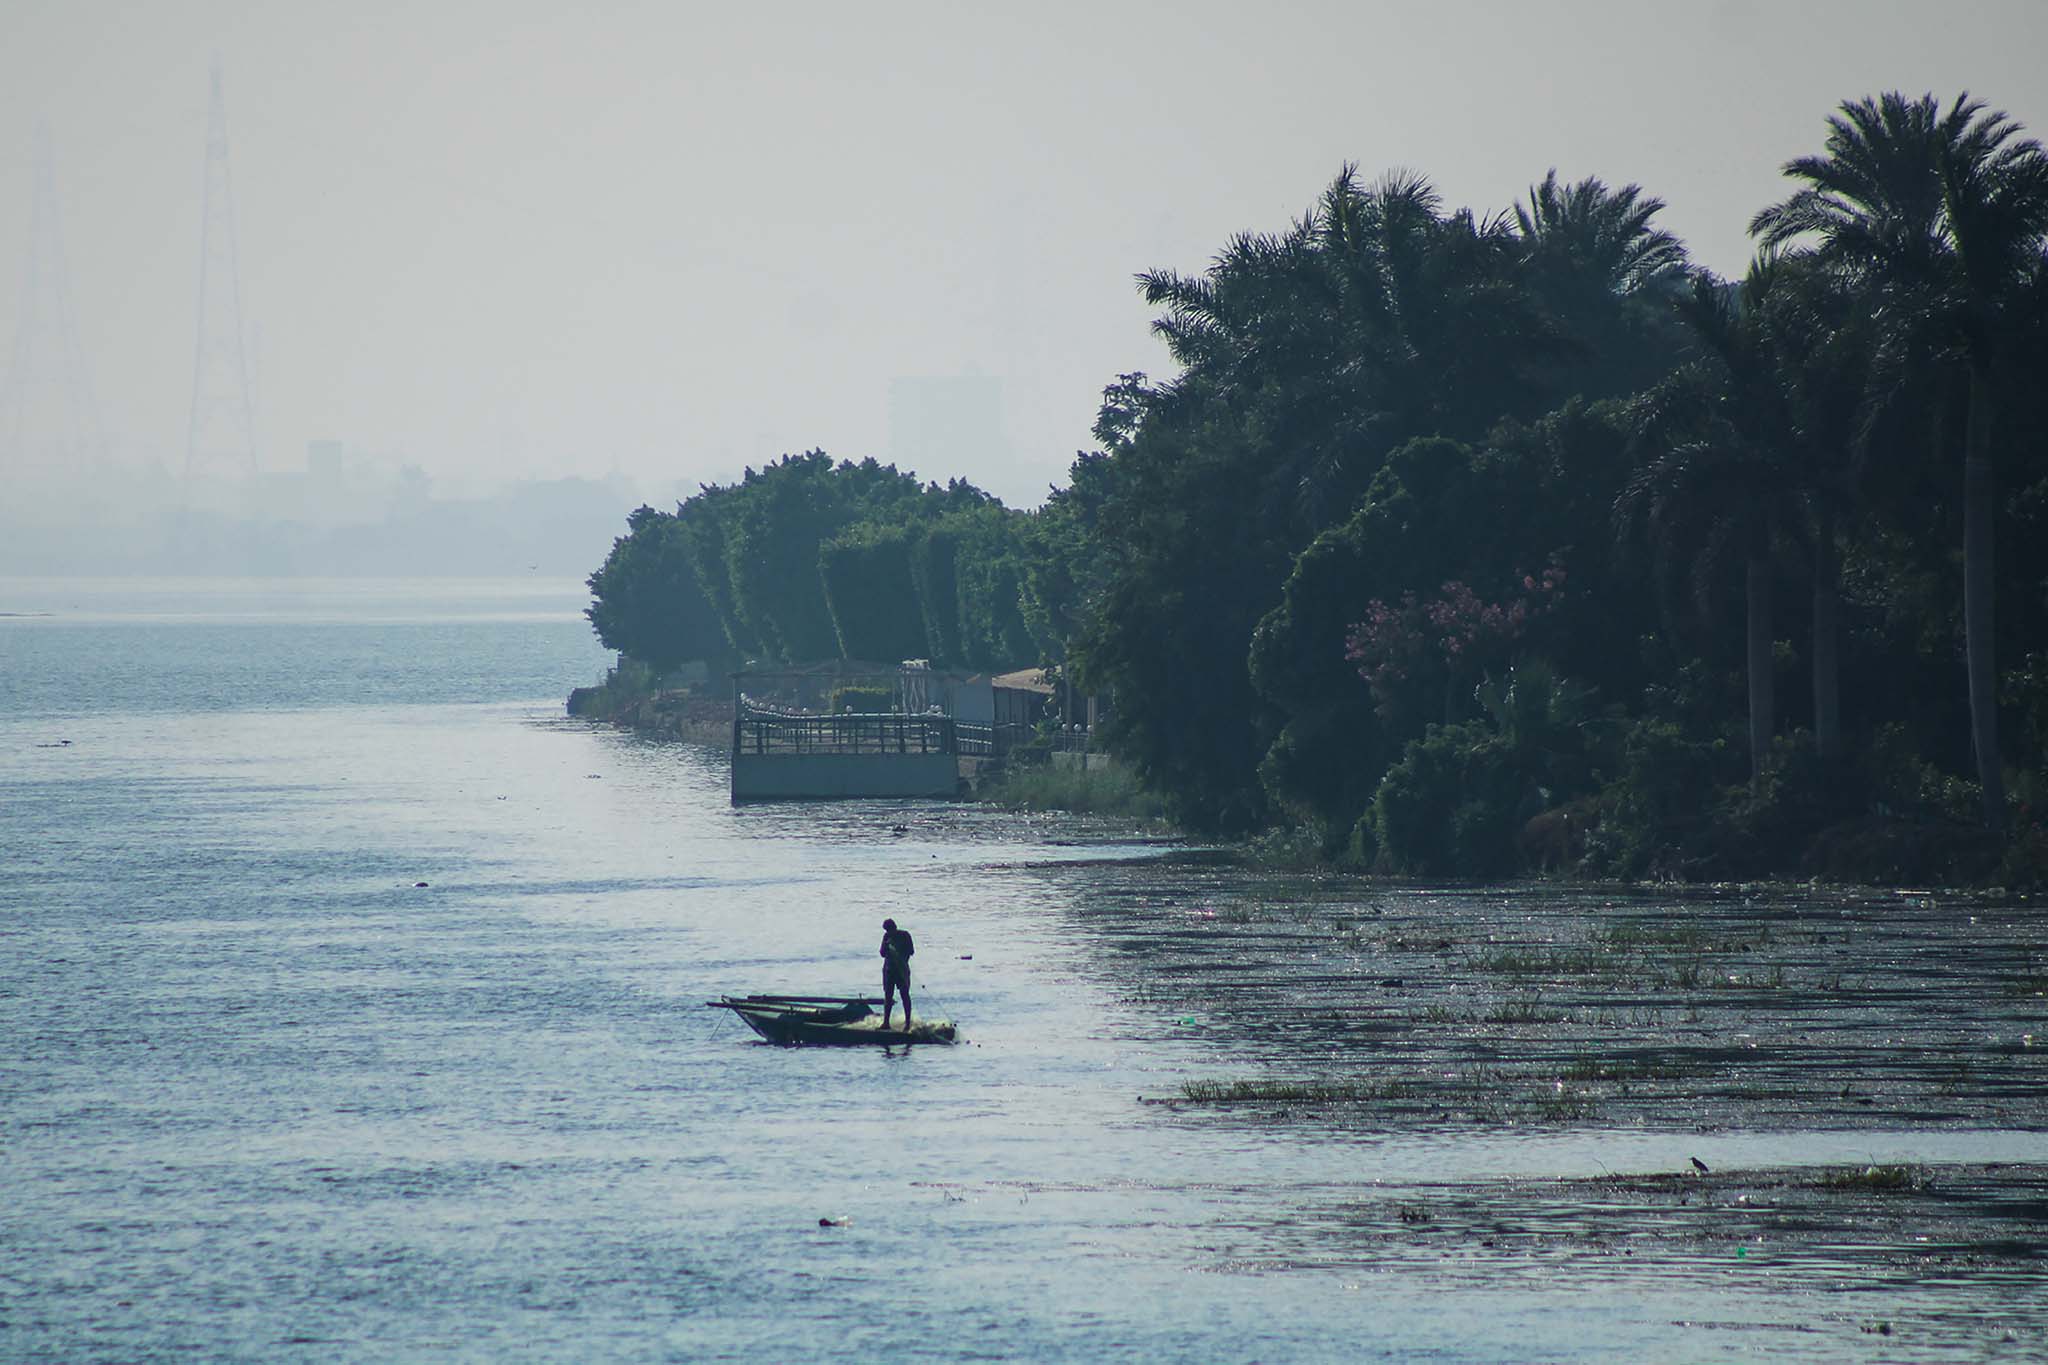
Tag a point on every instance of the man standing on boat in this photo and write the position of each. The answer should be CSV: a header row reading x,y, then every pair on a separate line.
x,y
896,951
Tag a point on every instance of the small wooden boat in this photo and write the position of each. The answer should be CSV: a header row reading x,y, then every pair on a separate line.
x,y
826,1020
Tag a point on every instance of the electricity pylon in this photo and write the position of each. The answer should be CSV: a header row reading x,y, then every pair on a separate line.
x,y
50,432
221,439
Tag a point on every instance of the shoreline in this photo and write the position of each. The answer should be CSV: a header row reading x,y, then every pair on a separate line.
x,y
678,714
681,714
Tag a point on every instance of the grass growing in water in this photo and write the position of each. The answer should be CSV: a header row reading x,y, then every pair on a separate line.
x,y
1545,962
1646,934
1874,1178
1523,1012
1098,791
1293,1092
1598,1069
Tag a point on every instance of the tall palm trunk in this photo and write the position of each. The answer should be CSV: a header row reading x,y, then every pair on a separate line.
x,y
1761,698
1827,629
1979,508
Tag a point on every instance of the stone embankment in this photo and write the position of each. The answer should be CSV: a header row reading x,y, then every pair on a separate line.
x,y
679,714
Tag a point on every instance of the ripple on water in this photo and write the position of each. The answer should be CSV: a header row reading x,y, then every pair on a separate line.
x,y
262,1097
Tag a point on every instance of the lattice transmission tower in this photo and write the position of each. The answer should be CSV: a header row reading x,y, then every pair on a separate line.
x,y
50,433
221,438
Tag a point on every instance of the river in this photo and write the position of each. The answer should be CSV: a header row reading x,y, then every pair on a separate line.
x,y
351,1007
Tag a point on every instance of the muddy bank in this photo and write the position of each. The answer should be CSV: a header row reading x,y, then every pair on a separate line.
x,y
679,714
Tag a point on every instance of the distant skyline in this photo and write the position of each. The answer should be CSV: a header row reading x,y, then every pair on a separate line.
x,y
505,241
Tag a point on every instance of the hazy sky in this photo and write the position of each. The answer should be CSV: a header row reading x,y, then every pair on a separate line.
x,y
671,240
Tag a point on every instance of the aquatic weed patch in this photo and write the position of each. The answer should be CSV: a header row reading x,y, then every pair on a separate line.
x,y
1523,1012
1281,1091
1643,935
1367,1006
1557,962
1485,1096
1629,1069
1873,1179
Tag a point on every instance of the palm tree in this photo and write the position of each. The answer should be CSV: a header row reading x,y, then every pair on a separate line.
x,y
1587,232
1719,479
1306,356
1823,346
1943,217
1591,256
1373,318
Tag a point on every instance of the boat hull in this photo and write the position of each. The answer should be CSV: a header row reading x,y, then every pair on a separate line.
x,y
827,1021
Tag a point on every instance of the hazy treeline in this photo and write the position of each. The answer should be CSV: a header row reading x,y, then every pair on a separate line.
x,y
807,559
1459,540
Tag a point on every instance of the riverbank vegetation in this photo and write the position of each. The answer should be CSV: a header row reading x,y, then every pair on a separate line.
x,y
1110,789
1467,542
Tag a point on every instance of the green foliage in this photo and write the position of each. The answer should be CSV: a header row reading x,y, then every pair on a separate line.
x,y
787,513
988,581
1455,802
806,559
1309,357
1899,778
1065,561
1658,807
1387,415
2025,695
938,591
646,601
1449,807
868,586
1332,743
1168,637
1113,790
700,531
863,701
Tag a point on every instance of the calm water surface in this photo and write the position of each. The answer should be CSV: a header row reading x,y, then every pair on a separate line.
x,y
264,1096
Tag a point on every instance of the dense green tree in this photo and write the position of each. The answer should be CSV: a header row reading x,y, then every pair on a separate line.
x,y
934,555
1720,481
772,527
988,582
1522,519
1065,561
871,593
1588,238
1307,356
808,559
1410,534
1354,563
1604,274
1942,216
700,530
646,601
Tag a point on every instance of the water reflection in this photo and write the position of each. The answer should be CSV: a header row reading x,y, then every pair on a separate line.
x,y
266,1095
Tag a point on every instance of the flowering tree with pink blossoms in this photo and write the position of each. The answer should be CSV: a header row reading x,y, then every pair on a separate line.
x,y
1455,637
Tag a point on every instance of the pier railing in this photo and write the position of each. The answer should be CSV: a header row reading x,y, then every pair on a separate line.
x,y
762,729
989,741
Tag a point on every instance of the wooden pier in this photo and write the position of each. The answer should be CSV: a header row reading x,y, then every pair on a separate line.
x,y
786,751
